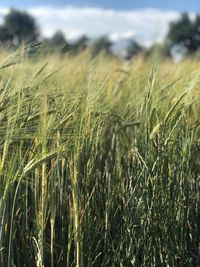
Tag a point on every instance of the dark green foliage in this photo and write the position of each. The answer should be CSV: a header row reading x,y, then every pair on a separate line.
x,y
102,44
79,46
18,27
57,43
133,49
21,25
5,34
58,39
185,33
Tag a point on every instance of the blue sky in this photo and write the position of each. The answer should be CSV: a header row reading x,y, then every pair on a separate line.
x,y
178,5
145,21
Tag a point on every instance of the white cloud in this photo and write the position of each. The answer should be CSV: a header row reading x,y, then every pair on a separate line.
x,y
3,12
145,25
116,36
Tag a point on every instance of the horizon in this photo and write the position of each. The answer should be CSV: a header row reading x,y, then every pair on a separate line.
x,y
146,22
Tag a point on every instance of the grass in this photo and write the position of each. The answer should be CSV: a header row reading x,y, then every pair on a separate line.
x,y
99,162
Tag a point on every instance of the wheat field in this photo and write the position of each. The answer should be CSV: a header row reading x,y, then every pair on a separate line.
x,y
99,162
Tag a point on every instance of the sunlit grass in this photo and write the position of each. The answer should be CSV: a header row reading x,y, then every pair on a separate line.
x,y
99,162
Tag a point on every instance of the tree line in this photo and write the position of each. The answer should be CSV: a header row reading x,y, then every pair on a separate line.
x,y
20,27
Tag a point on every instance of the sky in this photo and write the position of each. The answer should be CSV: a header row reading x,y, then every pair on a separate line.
x,y
178,5
146,21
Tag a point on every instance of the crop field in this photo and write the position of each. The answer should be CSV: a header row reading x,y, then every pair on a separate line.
x,y
99,162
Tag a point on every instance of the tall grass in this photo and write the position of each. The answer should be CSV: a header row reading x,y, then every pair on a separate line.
x,y
99,162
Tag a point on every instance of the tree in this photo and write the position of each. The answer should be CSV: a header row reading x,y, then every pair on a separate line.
x,y
196,33
56,43
5,35
184,34
80,45
59,42
58,39
21,26
180,31
102,44
133,49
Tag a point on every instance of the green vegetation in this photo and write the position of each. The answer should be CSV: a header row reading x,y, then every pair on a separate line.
x,y
99,162
18,27
182,39
185,33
